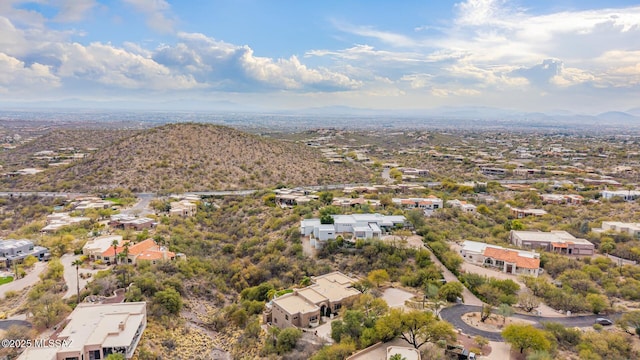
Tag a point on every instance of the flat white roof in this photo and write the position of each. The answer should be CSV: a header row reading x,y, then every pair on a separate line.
x,y
326,227
310,222
102,243
295,303
553,236
99,324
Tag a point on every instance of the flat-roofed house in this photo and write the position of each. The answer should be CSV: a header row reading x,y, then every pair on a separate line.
x,y
358,226
626,195
560,242
304,308
521,213
183,208
93,331
632,229
462,205
58,221
570,199
15,251
124,222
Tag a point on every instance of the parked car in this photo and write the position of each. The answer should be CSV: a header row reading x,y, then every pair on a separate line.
x,y
604,321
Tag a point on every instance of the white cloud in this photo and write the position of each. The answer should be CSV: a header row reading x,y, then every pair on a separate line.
x,y
158,13
441,92
73,10
390,38
237,68
15,75
108,65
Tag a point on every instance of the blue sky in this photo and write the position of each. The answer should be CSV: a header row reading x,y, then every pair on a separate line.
x,y
582,56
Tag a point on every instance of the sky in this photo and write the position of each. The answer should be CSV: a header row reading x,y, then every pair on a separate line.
x,y
576,55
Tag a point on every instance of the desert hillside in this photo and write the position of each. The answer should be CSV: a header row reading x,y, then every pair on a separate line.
x,y
193,157
72,141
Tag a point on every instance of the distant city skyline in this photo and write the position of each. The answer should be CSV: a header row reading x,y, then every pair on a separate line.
x,y
580,56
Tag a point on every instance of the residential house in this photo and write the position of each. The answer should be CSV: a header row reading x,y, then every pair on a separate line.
x,y
14,251
347,202
493,171
521,213
509,261
560,242
290,197
124,222
95,247
428,205
462,205
146,250
92,203
351,227
183,208
58,221
361,189
526,172
414,171
632,229
304,308
94,331
626,195
558,199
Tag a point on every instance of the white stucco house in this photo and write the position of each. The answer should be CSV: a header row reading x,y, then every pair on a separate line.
x,y
351,227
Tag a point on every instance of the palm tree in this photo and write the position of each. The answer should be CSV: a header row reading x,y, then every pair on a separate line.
x,y
123,260
114,243
77,264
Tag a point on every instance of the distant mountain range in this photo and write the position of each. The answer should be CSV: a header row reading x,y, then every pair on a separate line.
x,y
234,114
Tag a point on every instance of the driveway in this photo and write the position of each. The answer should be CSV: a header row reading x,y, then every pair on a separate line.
x,y
416,242
468,297
30,279
396,298
70,276
453,315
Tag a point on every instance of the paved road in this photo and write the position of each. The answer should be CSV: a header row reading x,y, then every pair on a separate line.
x,y
141,208
248,191
40,193
6,324
453,314
30,279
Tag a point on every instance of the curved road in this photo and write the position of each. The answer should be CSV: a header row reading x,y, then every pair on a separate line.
x,y
6,324
32,277
453,314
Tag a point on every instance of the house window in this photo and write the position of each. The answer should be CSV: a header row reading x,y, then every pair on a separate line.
x,y
94,355
286,317
336,307
313,318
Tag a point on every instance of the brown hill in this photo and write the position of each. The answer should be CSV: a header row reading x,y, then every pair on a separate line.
x,y
78,139
194,157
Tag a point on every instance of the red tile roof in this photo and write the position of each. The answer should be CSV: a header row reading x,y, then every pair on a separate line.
x,y
513,257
